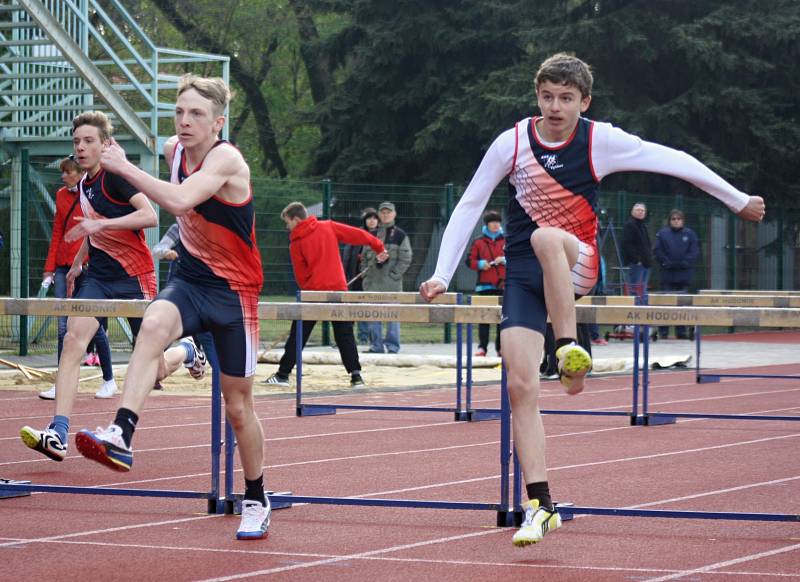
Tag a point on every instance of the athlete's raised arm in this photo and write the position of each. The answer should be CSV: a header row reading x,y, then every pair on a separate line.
x,y
617,151
495,166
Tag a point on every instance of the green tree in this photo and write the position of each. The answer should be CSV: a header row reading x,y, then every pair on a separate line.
x,y
425,87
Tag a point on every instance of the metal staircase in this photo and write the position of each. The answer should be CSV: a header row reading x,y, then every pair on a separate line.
x,y
61,57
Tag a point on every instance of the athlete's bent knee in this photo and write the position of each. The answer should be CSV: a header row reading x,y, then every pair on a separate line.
x,y
154,333
519,388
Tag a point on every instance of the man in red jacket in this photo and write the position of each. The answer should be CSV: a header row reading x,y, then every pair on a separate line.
x,y
314,248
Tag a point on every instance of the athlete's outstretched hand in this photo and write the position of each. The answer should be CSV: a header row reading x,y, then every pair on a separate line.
x,y
754,210
113,157
85,226
430,289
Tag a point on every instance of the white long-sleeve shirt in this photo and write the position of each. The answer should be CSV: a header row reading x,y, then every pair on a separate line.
x,y
533,166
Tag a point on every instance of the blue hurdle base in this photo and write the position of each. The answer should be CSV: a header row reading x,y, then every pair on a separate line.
x,y
7,494
315,410
707,379
647,420
461,416
479,415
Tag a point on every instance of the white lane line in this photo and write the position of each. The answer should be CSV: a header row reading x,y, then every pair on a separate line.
x,y
110,530
398,559
716,492
726,563
356,556
473,480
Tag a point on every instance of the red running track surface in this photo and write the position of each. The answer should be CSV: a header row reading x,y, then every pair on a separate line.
x,y
742,466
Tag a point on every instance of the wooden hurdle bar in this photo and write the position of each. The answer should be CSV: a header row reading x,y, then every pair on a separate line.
x,y
506,514
747,292
377,297
726,300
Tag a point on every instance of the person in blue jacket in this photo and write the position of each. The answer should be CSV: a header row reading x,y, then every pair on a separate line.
x,y
677,251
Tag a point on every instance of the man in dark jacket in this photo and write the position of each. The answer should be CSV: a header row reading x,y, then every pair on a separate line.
x,y
677,251
636,250
487,256
314,249
387,276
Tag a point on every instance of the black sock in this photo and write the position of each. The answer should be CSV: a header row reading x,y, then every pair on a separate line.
x,y
540,491
254,490
126,420
564,341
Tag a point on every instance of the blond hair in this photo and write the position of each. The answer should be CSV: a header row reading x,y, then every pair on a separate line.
x,y
566,69
212,88
96,119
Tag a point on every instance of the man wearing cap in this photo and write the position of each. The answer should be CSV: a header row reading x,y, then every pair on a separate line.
x,y
387,276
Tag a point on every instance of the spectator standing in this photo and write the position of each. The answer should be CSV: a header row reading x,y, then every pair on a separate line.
x,y
487,257
636,250
351,259
387,276
676,251
60,256
314,250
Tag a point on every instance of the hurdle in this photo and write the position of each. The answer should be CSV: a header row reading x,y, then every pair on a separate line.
x,y
641,315
217,502
480,414
118,308
707,300
377,297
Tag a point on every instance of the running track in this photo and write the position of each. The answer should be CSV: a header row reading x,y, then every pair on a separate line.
x,y
749,466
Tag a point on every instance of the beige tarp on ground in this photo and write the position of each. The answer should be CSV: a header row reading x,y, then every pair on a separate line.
x,y
323,372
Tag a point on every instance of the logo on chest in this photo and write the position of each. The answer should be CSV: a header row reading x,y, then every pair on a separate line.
x,y
550,162
89,193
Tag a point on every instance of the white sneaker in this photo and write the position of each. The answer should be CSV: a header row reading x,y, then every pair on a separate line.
x,y
107,390
255,520
538,522
48,394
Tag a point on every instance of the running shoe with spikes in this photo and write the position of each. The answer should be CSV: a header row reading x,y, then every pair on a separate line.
x,y
197,367
106,446
538,522
45,441
573,364
255,520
